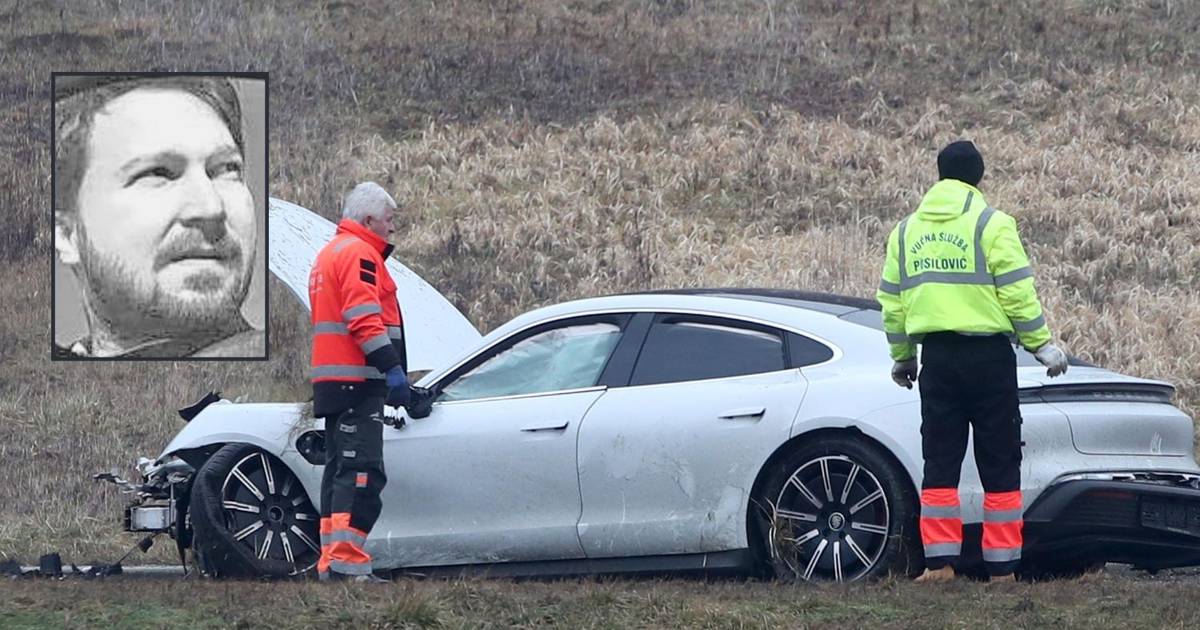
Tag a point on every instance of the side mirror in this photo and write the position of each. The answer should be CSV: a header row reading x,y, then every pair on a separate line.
x,y
420,403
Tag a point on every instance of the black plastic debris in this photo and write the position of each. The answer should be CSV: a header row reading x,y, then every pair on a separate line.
x,y
98,570
194,409
11,568
50,565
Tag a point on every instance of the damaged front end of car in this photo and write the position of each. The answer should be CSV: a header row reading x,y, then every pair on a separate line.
x,y
160,495
160,500
235,487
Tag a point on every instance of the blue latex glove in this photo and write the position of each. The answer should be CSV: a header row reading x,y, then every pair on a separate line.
x,y
398,392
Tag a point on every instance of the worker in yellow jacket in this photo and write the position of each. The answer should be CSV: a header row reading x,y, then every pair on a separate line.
x,y
957,282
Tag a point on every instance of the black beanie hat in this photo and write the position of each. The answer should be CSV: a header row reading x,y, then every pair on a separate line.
x,y
960,160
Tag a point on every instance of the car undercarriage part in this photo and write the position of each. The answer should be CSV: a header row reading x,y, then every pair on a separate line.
x,y
142,545
161,502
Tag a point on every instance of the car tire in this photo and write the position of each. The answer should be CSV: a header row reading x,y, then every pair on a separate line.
x,y
836,508
251,517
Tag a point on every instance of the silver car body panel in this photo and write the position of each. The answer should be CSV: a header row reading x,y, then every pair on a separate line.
x,y
273,427
481,481
669,468
1132,428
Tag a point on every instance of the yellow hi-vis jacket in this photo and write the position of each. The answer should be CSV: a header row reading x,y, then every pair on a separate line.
x,y
957,265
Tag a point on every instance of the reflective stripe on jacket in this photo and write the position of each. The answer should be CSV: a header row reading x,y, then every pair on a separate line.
x,y
357,326
957,265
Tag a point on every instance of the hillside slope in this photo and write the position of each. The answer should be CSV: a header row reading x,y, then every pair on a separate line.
x,y
549,150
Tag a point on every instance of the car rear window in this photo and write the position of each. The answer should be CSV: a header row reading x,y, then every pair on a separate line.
x,y
682,349
805,351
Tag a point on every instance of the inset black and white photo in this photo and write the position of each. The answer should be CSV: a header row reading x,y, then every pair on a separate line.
x,y
159,201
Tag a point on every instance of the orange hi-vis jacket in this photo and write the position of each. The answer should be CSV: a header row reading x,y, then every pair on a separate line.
x,y
358,332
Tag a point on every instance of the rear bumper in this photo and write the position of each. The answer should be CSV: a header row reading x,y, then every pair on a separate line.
x,y
1151,521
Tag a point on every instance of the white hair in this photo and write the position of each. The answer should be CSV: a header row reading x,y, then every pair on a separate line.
x,y
368,199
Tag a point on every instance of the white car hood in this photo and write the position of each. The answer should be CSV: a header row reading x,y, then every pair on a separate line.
x,y
436,332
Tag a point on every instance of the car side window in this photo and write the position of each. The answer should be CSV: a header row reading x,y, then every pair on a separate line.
x,y
559,358
806,351
687,348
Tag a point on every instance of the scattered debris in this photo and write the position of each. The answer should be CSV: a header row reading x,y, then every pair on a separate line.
x,y
194,409
50,565
112,477
98,570
11,568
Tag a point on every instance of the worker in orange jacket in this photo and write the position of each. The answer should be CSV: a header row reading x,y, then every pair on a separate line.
x,y
358,363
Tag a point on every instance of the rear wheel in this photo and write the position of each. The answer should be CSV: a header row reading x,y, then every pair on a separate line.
x,y
837,509
251,516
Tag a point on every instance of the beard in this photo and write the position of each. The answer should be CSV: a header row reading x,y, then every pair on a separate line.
x,y
135,309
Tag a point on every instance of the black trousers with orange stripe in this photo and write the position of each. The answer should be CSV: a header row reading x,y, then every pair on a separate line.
x,y
351,487
970,382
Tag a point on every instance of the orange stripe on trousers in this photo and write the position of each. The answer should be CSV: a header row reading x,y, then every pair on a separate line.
x,y
936,531
349,552
1003,534
340,521
1002,500
940,497
326,529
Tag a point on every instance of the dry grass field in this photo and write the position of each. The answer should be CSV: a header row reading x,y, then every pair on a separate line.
x,y
676,603
546,150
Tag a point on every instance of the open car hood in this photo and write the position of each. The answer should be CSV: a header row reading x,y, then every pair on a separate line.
x,y
436,332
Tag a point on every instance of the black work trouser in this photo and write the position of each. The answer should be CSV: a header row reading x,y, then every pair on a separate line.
x,y
351,486
970,383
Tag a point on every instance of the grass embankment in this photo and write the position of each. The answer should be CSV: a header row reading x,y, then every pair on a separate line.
x,y
548,150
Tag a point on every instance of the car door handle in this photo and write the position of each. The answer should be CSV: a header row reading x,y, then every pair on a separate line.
x,y
546,427
745,412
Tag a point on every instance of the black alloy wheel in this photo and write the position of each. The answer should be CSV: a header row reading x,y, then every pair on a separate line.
x,y
838,511
252,516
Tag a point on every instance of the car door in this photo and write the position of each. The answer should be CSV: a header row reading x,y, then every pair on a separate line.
x,y
490,475
666,464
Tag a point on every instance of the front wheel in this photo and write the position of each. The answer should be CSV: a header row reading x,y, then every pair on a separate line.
x,y
837,509
251,516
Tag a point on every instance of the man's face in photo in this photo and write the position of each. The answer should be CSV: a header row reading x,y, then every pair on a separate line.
x,y
165,227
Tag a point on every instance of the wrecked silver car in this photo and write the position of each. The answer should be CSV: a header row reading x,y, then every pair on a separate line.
x,y
631,447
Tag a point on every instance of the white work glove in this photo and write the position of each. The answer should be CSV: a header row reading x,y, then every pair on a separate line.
x,y
1054,359
904,373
